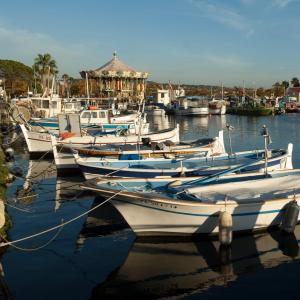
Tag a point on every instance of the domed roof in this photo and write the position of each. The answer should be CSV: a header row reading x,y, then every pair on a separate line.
x,y
116,65
114,68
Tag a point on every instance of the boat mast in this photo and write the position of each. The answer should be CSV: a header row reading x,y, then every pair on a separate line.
x,y
222,91
244,93
267,138
87,87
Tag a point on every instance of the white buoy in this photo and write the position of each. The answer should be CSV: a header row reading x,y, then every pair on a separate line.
x,y
225,228
9,153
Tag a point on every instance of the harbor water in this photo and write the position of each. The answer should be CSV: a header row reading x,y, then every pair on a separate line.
x,y
98,256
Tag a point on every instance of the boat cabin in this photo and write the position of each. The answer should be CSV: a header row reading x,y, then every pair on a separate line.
x,y
46,107
95,116
71,106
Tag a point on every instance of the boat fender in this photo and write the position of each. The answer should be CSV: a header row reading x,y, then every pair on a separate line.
x,y
225,228
9,154
225,258
290,217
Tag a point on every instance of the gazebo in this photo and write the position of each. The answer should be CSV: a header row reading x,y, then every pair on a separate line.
x,y
116,79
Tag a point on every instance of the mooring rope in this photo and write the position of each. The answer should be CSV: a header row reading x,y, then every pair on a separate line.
x,y
35,248
61,225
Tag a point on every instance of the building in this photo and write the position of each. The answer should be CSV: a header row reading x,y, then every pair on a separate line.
x,y
117,80
293,93
166,96
163,97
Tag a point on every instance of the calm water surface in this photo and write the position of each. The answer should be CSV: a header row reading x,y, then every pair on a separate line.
x,y
98,257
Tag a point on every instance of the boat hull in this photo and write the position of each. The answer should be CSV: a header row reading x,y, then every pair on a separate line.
x,y
41,142
151,215
218,111
192,111
115,168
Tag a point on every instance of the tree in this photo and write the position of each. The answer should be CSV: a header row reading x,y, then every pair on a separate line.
x,y
46,68
18,77
295,82
65,87
285,84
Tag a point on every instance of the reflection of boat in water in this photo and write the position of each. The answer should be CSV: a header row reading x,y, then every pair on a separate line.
x,y
104,220
68,189
39,170
158,269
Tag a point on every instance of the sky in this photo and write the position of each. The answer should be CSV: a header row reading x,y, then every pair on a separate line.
x,y
185,41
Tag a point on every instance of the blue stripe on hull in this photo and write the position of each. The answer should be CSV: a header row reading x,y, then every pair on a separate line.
x,y
165,172
54,125
204,215
125,173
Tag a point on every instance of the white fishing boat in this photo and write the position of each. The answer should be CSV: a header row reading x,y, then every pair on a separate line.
x,y
188,166
191,106
64,158
253,205
98,119
154,110
46,107
40,142
217,107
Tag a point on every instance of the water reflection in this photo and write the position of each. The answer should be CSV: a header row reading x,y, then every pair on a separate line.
x,y
103,221
157,269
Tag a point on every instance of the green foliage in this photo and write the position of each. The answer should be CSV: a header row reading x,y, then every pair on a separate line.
x,y
44,63
10,69
295,82
285,84
17,76
45,68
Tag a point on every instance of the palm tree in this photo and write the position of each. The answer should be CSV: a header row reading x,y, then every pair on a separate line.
x,y
65,78
285,84
46,67
295,82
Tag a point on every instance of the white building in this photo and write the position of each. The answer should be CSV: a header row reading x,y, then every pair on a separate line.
x,y
163,96
166,96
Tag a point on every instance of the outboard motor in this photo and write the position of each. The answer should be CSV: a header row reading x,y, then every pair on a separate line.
x,y
6,142
146,141
169,143
160,146
153,145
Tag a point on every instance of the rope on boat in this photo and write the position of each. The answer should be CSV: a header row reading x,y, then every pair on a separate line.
x,y
7,243
35,248
17,208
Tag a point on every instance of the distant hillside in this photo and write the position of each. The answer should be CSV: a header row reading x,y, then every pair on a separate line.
x,y
17,76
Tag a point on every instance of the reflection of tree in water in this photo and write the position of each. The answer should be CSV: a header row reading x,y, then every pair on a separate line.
x,y
163,268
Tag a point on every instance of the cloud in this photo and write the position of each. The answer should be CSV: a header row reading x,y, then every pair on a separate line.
x,y
24,45
224,15
227,61
281,3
